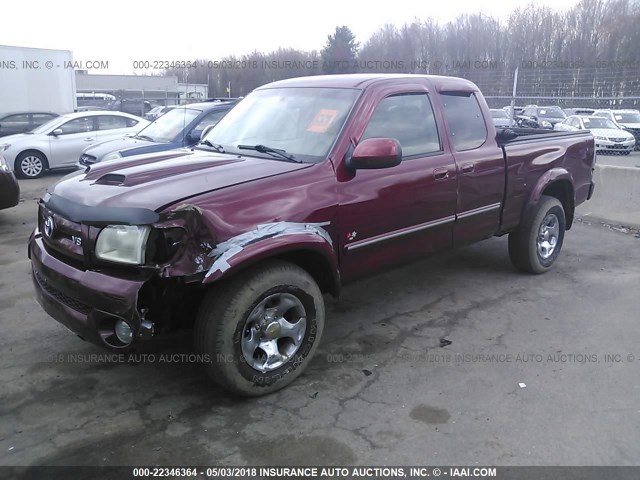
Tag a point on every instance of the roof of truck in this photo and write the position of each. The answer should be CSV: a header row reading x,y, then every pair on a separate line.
x,y
363,80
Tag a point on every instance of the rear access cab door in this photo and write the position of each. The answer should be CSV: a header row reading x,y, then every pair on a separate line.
x,y
480,163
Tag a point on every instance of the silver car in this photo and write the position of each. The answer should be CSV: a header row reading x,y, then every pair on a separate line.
x,y
608,136
59,142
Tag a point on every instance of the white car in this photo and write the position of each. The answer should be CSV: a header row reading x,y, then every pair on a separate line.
x,y
59,142
608,136
627,119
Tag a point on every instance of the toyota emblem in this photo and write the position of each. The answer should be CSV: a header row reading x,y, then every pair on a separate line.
x,y
48,226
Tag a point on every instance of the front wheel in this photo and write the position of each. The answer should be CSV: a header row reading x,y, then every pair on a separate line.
x,y
536,245
258,332
30,165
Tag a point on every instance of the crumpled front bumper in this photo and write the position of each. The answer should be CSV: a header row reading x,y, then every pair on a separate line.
x,y
88,303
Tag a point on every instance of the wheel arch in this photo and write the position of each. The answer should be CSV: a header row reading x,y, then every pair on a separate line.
x,y
31,150
557,183
315,255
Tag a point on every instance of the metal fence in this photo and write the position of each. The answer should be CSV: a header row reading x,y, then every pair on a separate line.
x,y
588,87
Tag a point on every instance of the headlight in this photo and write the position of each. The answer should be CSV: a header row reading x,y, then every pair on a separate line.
x,y
4,146
600,138
545,124
123,244
111,156
4,166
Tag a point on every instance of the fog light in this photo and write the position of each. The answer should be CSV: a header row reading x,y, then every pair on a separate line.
x,y
123,332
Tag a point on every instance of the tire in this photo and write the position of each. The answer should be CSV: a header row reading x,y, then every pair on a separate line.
x,y
527,247
243,314
31,164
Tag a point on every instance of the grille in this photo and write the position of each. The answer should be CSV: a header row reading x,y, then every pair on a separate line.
x,y
64,236
616,139
61,297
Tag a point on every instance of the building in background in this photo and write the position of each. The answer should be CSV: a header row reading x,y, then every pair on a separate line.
x,y
136,94
193,92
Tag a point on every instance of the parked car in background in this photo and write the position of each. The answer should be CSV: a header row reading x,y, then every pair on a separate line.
x,y
534,116
609,137
9,188
157,112
21,122
516,110
307,184
134,106
89,108
627,119
93,99
501,119
578,111
59,142
179,127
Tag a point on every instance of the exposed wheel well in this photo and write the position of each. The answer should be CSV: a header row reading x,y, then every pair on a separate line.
x,y
317,266
563,191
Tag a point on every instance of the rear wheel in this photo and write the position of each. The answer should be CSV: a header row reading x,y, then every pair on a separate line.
x,y
535,247
260,330
30,164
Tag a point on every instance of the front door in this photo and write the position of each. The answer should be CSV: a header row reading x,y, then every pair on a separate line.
x,y
76,135
391,215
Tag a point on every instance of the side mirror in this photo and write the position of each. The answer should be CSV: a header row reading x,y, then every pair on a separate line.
x,y
375,153
206,131
56,132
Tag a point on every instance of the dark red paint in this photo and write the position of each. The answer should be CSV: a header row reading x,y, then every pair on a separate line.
x,y
376,218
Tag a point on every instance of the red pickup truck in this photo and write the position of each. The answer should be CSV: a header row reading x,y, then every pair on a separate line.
x,y
307,184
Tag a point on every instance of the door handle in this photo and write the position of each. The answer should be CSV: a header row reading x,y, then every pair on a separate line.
x,y
88,139
468,168
440,173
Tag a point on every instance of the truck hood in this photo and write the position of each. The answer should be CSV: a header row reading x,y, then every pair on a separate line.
x,y
127,146
155,181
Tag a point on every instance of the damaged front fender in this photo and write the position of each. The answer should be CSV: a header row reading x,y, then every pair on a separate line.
x,y
277,239
200,255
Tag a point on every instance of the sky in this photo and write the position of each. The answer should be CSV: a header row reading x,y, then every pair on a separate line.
x,y
122,32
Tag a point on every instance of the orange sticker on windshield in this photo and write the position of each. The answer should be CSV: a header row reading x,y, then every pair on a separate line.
x,y
322,121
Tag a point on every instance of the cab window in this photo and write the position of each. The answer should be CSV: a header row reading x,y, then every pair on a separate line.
x,y
466,123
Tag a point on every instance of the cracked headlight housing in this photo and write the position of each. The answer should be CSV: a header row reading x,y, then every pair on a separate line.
x,y
123,244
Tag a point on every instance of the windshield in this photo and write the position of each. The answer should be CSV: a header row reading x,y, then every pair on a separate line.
x,y
551,112
627,117
499,114
597,122
166,128
304,122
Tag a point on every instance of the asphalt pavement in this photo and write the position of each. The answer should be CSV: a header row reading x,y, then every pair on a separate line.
x,y
454,359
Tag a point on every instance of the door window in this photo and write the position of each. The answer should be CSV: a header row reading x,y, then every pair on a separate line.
x,y
20,120
111,122
409,119
211,119
77,125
